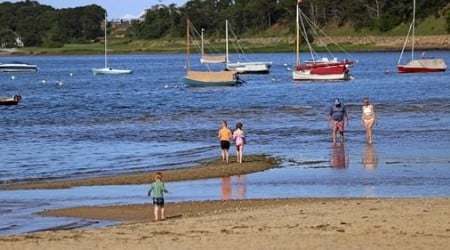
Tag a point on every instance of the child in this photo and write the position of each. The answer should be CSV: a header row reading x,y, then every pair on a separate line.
x,y
239,137
224,137
158,189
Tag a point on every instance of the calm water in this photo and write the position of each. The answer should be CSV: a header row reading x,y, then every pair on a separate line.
x,y
72,124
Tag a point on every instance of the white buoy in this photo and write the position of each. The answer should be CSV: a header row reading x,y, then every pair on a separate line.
x,y
70,74
44,81
166,86
13,77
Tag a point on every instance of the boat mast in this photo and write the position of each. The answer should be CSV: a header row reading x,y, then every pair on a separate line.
x,y
187,44
413,29
226,40
297,49
203,47
106,24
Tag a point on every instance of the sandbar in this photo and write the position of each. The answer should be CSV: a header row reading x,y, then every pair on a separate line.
x,y
294,223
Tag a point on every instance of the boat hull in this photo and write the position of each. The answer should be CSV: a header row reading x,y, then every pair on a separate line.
x,y
423,66
250,67
196,83
211,79
17,67
10,100
321,73
404,69
111,71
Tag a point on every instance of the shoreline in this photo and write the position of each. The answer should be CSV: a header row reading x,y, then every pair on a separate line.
x,y
368,43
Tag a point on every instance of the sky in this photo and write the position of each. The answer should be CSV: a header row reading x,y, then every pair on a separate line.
x,y
116,8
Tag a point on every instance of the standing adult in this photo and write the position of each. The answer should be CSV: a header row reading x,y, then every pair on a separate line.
x,y
225,136
368,118
337,117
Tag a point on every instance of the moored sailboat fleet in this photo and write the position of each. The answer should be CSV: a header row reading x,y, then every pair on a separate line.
x,y
312,70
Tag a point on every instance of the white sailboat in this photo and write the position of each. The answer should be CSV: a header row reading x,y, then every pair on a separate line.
x,y
108,70
244,67
423,65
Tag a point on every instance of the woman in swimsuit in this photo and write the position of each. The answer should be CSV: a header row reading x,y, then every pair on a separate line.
x,y
368,118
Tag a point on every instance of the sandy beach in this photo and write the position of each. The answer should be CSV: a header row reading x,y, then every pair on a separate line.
x,y
258,224
309,223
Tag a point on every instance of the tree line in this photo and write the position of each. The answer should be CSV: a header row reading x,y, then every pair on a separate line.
x,y
34,24
42,25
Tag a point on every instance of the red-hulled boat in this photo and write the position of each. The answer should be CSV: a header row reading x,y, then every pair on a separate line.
x,y
423,65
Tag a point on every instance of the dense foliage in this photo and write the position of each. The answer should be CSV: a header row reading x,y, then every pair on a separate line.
x,y
256,16
41,25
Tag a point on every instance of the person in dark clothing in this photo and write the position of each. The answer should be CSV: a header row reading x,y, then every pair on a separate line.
x,y
337,117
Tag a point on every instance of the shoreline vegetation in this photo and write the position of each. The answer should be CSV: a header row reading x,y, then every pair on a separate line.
x,y
369,43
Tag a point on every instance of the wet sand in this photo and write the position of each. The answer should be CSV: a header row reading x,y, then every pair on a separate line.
x,y
310,223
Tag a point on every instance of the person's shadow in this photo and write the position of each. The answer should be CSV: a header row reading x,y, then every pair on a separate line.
x,y
370,159
338,158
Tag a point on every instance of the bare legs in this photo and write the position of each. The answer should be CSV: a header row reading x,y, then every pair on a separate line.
x,y
239,153
368,124
225,155
334,133
156,212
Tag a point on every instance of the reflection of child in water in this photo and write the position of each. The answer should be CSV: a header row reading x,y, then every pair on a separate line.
x,y
227,187
239,137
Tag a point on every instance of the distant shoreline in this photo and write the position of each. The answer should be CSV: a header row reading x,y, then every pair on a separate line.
x,y
250,45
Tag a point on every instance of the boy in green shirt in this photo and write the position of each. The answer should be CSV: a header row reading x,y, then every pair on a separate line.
x,y
158,189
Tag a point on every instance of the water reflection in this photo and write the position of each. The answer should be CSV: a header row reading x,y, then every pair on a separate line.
x,y
370,159
227,186
338,158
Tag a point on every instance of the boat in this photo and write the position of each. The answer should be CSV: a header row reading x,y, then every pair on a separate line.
x,y
422,65
10,100
18,67
244,67
108,70
207,78
313,70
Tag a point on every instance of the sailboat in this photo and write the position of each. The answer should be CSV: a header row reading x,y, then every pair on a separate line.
x,y
423,65
316,71
244,67
206,78
108,70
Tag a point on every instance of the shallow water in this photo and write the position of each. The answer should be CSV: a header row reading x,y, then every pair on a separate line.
x,y
72,124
